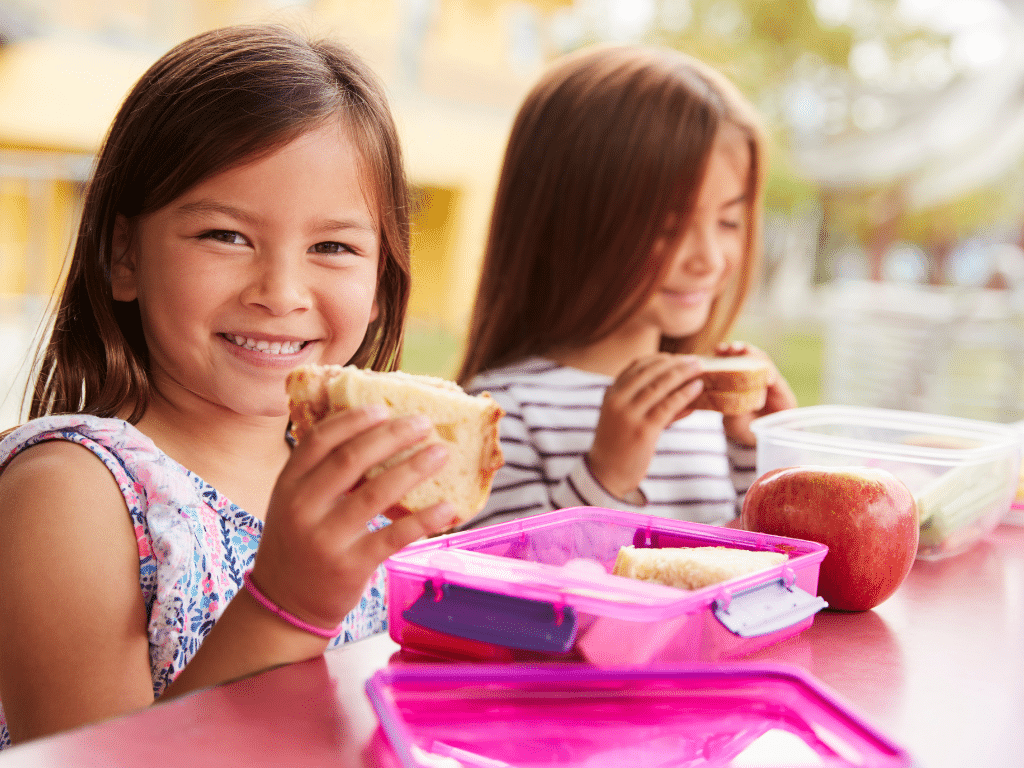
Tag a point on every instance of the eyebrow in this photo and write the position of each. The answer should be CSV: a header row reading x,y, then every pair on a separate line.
x,y
735,201
327,225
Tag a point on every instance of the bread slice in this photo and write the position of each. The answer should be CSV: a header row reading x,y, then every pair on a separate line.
x,y
692,567
468,424
734,385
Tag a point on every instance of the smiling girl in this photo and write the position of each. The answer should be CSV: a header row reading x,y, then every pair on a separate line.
x,y
623,243
161,532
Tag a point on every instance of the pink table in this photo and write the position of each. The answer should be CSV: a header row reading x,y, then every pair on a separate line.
x,y
939,667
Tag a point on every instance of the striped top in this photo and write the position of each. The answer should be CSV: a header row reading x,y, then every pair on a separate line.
x,y
551,412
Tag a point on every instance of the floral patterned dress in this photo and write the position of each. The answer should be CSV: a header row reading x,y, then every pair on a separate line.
x,y
194,544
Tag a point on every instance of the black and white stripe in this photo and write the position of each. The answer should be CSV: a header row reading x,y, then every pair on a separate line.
x,y
551,414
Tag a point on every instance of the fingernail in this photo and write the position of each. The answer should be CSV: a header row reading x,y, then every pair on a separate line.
x,y
377,411
432,456
443,516
419,423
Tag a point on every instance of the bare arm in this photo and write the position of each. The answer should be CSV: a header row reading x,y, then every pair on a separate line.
x,y
72,617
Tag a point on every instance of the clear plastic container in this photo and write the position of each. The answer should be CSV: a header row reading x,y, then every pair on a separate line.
x,y
1016,514
499,716
541,588
963,472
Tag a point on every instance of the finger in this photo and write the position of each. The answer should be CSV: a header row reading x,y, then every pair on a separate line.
x,y
382,544
637,370
677,404
396,512
326,434
780,396
641,374
665,381
342,469
383,492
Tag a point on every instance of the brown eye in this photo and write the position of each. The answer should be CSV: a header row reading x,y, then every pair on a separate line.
x,y
223,236
331,247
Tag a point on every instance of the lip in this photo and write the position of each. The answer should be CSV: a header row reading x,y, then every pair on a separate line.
x,y
265,359
269,337
687,298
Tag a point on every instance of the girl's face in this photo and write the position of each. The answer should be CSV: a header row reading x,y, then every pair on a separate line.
x,y
711,247
254,271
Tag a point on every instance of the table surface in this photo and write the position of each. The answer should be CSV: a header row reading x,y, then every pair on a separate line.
x,y
938,667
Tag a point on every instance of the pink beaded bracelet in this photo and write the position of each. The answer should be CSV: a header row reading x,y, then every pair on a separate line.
x,y
291,618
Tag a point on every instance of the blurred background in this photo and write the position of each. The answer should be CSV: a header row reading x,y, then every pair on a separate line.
x,y
894,271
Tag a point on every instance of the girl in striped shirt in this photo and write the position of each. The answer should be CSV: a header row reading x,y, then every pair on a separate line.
x,y
623,242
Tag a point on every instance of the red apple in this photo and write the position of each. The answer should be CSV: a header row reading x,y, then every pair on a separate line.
x,y
866,516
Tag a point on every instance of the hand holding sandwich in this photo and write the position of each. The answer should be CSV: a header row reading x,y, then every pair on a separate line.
x,y
778,394
651,393
657,390
316,529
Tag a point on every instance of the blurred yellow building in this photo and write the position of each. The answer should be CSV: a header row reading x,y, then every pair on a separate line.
x,y
456,71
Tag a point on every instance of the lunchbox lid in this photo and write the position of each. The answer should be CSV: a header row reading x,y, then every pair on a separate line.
x,y
576,580
954,439
500,716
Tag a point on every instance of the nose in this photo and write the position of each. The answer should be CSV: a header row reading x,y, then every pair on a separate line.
x,y
701,251
277,284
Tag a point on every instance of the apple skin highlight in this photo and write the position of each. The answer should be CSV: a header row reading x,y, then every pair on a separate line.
x,y
866,517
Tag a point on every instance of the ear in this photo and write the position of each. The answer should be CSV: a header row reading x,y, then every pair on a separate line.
x,y
123,262
375,309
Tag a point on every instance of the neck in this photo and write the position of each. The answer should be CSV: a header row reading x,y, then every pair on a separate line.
x,y
241,456
612,354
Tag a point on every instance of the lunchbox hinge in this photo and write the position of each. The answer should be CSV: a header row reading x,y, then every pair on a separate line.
x,y
475,614
766,608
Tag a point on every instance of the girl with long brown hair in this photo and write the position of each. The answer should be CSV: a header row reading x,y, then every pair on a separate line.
x,y
623,243
248,213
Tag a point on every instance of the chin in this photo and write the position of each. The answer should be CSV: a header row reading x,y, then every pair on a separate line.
x,y
682,330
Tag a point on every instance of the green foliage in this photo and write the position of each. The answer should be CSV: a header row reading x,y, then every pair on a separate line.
x,y
430,349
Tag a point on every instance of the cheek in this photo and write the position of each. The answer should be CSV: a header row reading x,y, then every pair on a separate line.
x,y
352,303
733,251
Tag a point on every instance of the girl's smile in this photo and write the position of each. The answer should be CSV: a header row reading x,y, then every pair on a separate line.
x,y
263,350
688,298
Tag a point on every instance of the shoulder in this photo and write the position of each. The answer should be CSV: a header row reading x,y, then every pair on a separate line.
x,y
113,434
527,379
62,505
56,473
79,452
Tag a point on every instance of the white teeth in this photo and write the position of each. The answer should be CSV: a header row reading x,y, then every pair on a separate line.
x,y
270,347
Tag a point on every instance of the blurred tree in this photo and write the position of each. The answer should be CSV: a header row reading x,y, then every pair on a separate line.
x,y
833,73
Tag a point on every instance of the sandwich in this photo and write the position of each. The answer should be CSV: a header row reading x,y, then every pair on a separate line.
x,y
692,567
734,385
468,424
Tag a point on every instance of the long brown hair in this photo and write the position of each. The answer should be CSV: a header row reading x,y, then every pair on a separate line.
x,y
213,102
608,146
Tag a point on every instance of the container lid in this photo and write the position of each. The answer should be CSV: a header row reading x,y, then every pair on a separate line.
x,y
875,432
499,716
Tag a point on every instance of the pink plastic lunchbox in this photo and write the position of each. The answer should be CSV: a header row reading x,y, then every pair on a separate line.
x,y
540,589
534,716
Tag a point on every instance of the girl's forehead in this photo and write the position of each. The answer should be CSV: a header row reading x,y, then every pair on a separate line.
x,y
324,142
733,144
